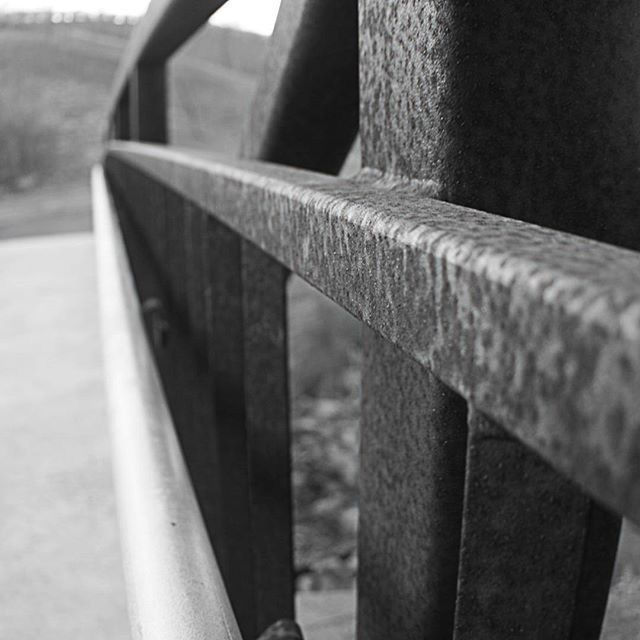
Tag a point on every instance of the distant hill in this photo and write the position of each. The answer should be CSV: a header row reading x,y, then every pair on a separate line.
x,y
56,80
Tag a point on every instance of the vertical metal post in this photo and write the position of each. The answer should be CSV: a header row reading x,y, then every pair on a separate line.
x,y
148,103
530,111
289,123
247,357
413,434
122,128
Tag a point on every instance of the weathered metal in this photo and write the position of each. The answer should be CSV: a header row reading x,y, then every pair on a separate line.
x,y
175,589
527,110
539,329
429,584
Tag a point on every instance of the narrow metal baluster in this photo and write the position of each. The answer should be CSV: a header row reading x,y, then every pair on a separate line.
x,y
413,428
536,553
148,103
413,437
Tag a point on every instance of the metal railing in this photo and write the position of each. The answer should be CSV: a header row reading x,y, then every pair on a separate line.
x,y
500,414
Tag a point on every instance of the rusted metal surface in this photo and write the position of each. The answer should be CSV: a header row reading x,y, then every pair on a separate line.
x,y
305,110
429,584
174,585
526,551
527,110
166,25
413,441
148,103
539,329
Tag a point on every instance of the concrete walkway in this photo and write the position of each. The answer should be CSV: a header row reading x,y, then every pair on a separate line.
x,y
61,575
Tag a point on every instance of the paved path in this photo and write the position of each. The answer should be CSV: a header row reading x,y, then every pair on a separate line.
x,y
61,576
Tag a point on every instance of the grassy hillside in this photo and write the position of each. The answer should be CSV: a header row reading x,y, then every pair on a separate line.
x,y
56,82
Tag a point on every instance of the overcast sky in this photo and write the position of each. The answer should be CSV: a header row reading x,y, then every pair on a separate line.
x,y
250,15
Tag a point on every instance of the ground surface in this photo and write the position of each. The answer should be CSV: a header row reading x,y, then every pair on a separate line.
x,y
61,575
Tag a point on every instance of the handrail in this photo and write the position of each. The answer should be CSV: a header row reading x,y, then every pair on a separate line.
x,y
166,25
537,328
174,584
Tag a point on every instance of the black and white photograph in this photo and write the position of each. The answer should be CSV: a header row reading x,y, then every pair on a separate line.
x,y
319,320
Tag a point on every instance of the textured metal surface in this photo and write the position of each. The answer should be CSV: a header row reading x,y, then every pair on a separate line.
x,y
525,553
166,25
413,442
528,110
175,588
429,585
305,110
541,330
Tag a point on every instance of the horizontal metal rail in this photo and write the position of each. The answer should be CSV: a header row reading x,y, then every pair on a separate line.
x,y
166,25
175,588
539,329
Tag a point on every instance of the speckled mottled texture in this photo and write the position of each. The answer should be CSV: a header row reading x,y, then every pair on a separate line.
x,y
540,330
526,109
412,459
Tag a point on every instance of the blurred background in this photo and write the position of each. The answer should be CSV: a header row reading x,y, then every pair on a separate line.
x,y
59,547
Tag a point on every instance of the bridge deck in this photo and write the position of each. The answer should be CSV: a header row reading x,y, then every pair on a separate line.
x,y
60,542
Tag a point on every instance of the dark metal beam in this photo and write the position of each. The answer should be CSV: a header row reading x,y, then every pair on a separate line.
x,y
539,329
148,103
